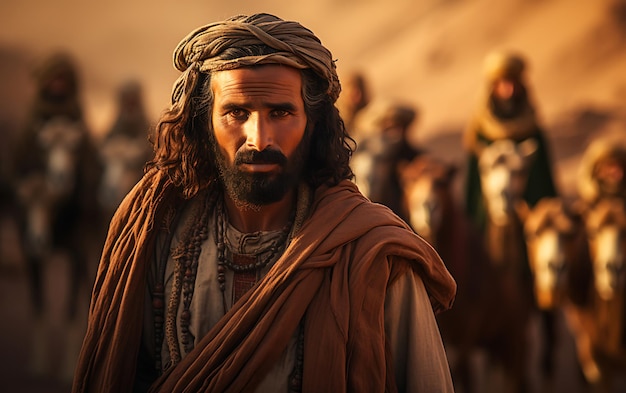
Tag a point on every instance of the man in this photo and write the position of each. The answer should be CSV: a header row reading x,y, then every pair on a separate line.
x,y
354,97
602,169
506,111
55,172
383,149
125,148
245,259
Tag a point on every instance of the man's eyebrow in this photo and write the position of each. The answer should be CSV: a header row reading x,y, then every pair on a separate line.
x,y
288,106
283,105
232,105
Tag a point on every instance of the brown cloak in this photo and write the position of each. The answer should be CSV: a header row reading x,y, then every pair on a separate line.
x,y
334,274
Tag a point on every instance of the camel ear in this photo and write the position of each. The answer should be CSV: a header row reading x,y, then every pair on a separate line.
x,y
523,210
528,147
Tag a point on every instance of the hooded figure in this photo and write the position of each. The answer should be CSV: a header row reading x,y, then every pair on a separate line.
x,y
56,176
56,148
602,170
383,147
354,97
57,96
125,149
505,111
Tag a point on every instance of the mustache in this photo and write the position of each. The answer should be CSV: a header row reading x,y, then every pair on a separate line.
x,y
260,157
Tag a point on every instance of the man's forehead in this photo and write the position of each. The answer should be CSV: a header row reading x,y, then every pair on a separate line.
x,y
259,80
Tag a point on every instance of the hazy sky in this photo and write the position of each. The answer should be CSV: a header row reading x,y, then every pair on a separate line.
x,y
428,53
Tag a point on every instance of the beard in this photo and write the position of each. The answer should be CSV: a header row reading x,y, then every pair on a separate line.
x,y
508,108
252,190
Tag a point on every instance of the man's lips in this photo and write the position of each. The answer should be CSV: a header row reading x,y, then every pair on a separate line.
x,y
259,167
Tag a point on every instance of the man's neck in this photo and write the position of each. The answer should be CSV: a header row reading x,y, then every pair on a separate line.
x,y
264,218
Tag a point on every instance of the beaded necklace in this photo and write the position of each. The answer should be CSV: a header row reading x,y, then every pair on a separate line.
x,y
186,262
185,258
246,267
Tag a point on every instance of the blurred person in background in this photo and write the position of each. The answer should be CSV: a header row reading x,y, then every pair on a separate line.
x,y
506,111
125,149
602,170
55,176
383,147
355,95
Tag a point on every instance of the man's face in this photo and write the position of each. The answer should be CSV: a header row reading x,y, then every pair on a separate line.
x,y
59,86
609,173
504,89
259,123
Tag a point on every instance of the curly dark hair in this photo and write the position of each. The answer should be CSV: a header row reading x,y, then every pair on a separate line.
x,y
183,148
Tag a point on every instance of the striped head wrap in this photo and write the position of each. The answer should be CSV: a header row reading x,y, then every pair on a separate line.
x,y
203,51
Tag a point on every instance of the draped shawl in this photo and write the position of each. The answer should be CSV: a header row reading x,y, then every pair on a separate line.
x,y
334,274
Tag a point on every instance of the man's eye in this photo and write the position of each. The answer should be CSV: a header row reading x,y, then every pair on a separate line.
x,y
280,113
238,114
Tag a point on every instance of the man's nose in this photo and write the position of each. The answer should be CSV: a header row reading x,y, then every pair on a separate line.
x,y
259,132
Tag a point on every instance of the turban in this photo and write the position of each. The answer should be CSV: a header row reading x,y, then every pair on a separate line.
x,y
204,50
500,64
57,64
